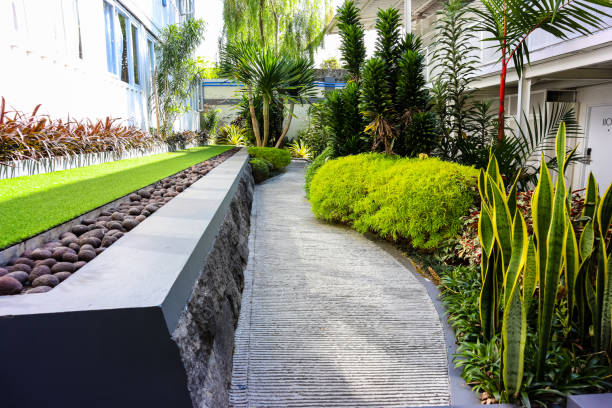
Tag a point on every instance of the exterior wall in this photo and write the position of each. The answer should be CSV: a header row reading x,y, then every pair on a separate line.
x,y
44,62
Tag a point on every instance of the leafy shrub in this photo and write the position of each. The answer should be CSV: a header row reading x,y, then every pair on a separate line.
x,y
421,200
278,157
179,140
209,121
261,169
316,164
299,149
317,134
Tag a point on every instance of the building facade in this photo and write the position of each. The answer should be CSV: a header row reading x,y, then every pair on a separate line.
x,y
577,70
86,59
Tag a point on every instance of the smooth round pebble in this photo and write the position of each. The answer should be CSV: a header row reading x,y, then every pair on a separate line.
x,y
96,233
134,197
46,280
74,246
25,261
9,285
70,257
3,271
78,265
145,213
93,241
134,211
49,262
140,218
86,255
79,229
38,271
62,267
62,276
38,289
113,225
40,253
21,276
108,241
117,216
19,267
100,250
129,223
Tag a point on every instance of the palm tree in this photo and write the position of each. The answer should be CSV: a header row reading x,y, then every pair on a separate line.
x,y
510,22
300,88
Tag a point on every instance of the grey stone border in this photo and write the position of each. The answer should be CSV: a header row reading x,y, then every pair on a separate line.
x,y
103,337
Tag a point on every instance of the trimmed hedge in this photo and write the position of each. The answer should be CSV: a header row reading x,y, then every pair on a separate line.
x,y
421,200
278,157
261,169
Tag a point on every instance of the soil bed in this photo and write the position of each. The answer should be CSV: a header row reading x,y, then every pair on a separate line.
x,y
41,269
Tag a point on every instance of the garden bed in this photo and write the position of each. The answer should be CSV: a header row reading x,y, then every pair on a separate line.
x,y
154,313
39,269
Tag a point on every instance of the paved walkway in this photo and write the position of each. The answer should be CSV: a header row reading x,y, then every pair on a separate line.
x,y
328,318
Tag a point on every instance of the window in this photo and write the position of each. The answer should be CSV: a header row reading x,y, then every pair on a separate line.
x,y
109,20
135,65
123,50
151,55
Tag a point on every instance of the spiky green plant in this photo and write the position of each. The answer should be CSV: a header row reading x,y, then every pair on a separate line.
x,y
455,60
300,150
512,263
389,43
352,45
376,103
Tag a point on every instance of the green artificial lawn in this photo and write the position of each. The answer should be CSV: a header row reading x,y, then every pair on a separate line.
x,y
32,204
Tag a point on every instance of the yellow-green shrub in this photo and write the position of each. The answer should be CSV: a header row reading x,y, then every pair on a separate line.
x,y
421,200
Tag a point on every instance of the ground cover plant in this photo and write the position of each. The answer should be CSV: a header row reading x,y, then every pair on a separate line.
x,y
394,197
32,204
40,269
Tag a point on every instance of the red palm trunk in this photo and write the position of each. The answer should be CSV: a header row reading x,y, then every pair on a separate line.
x,y
501,113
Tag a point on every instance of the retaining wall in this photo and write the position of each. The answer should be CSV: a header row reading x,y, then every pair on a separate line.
x,y
150,321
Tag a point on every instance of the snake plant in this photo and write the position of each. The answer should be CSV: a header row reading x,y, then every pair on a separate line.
x,y
514,265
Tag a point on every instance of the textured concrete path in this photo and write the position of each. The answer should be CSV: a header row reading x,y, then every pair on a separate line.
x,y
328,318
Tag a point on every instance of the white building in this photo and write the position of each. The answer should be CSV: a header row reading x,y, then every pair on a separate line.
x,y
577,70
85,58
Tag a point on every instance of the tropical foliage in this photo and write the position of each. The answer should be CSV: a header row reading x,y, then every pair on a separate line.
x,y
558,254
300,150
287,27
36,137
232,135
508,23
176,71
392,196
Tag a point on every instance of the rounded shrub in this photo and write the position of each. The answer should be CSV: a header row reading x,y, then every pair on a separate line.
x,y
261,169
278,157
421,200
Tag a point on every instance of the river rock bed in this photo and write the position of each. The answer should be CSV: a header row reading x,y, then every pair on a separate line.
x,y
41,269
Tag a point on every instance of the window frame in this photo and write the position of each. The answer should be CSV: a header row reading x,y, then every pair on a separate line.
x,y
115,39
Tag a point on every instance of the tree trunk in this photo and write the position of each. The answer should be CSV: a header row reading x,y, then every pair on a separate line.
x,y
254,121
156,97
286,128
261,25
501,126
266,119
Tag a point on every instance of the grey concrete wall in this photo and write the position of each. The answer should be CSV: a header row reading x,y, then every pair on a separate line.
x,y
119,332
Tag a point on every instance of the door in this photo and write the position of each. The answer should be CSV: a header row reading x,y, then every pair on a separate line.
x,y
599,145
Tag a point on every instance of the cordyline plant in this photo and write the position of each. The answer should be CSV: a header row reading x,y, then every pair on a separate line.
x,y
35,137
554,258
509,23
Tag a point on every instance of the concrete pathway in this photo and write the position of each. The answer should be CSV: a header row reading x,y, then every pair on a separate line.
x,y
328,318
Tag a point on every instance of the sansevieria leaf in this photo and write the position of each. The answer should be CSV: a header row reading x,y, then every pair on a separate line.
x,y
556,241
530,274
514,335
572,264
519,253
502,223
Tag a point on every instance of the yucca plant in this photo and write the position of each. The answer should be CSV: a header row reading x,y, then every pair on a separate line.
x,y
513,264
299,149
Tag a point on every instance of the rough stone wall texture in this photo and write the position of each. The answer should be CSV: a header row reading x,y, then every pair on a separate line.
x,y
205,333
